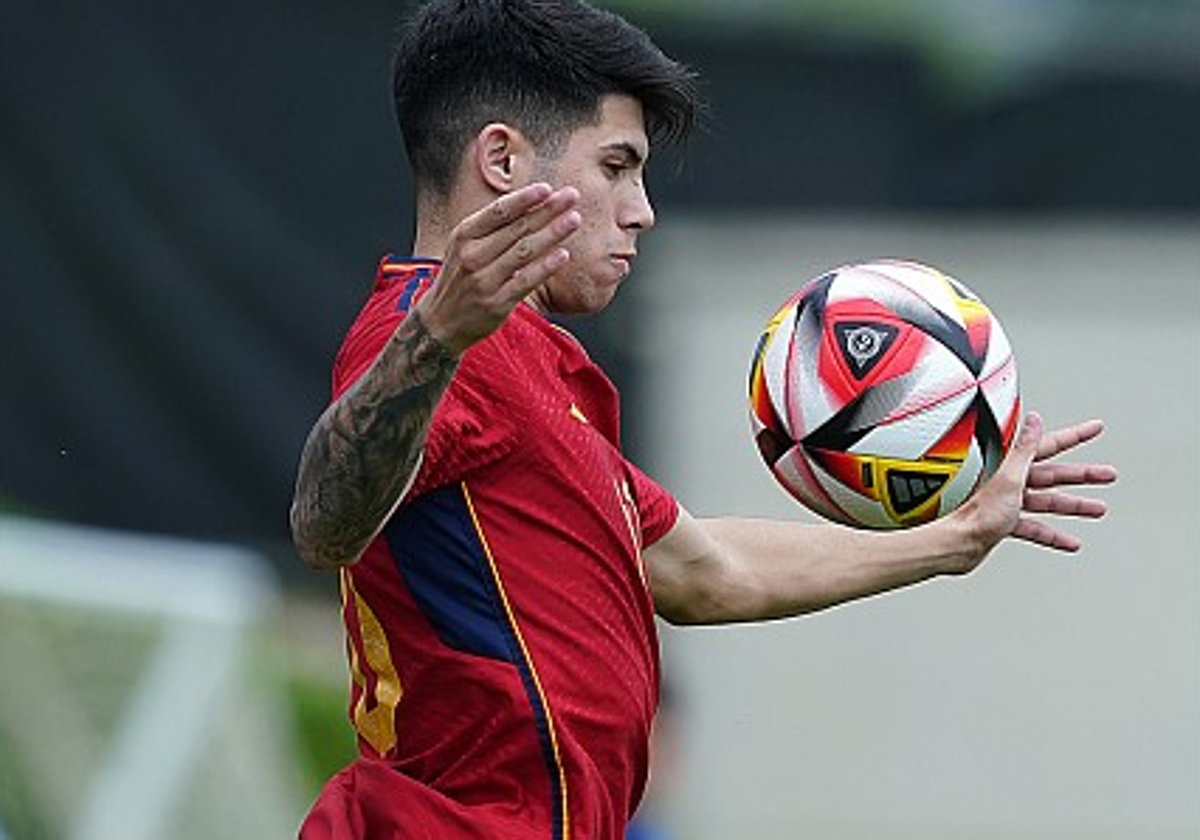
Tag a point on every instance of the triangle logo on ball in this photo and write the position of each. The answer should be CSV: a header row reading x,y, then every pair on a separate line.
x,y
863,344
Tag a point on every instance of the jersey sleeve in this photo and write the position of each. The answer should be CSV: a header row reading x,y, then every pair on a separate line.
x,y
478,421
376,323
657,508
479,416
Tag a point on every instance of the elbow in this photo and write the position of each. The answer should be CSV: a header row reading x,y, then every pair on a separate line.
x,y
677,615
314,549
683,617
694,591
696,605
715,599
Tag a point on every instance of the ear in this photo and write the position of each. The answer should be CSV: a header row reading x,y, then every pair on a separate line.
x,y
503,157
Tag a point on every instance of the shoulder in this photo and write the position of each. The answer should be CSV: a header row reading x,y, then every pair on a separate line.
x,y
398,285
519,346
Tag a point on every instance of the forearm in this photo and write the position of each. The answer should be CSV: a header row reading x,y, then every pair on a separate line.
x,y
734,569
364,451
789,569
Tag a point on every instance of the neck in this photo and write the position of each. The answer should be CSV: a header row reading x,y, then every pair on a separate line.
x,y
433,229
438,216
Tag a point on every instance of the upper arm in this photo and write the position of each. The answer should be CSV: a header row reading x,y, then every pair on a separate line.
x,y
363,453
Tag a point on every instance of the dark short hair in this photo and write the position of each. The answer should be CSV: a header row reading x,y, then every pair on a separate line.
x,y
541,66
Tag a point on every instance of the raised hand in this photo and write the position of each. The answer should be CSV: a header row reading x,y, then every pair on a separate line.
x,y
365,449
494,258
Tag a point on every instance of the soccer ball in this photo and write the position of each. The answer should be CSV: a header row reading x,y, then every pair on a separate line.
x,y
883,394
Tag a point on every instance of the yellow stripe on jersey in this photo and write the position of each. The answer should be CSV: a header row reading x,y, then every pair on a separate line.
x,y
512,621
374,713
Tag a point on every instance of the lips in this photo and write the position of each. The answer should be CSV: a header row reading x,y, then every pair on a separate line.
x,y
623,262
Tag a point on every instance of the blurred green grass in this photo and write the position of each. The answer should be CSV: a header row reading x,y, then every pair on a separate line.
x,y
304,648
321,733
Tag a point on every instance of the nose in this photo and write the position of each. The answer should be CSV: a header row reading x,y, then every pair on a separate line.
x,y
638,213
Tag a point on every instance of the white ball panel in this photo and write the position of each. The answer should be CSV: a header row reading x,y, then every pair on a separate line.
x,y
859,508
923,282
999,351
795,472
810,403
867,281
775,367
963,483
938,375
1001,391
910,437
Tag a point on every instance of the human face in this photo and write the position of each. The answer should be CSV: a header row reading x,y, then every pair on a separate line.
x,y
606,162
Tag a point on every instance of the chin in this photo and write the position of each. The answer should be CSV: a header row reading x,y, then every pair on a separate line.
x,y
586,296
600,297
585,306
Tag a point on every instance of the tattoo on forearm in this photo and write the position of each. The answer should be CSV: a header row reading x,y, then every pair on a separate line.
x,y
363,451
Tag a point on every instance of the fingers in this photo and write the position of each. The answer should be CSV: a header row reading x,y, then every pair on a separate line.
x,y
1042,476
1029,478
1035,448
494,258
1045,474
1064,504
533,258
504,210
1061,440
1039,533
516,230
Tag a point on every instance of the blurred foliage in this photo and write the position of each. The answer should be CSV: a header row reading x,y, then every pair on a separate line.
x,y
13,507
302,655
323,739
18,816
971,47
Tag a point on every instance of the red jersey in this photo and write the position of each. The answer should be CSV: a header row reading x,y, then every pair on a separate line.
x,y
501,635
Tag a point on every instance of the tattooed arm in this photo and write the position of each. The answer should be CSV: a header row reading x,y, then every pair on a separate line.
x,y
364,451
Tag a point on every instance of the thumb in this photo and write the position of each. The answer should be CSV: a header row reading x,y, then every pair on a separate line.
x,y
1024,449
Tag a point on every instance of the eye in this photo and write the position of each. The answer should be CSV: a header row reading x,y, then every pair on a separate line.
x,y
615,168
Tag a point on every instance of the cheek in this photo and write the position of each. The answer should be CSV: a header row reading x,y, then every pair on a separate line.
x,y
584,241
596,218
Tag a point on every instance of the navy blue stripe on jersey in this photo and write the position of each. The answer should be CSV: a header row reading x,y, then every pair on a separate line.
x,y
406,296
444,561
446,568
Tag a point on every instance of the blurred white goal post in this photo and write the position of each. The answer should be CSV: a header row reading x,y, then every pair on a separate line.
x,y
201,602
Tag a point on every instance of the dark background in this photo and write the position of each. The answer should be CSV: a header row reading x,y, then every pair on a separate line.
x,y
193,198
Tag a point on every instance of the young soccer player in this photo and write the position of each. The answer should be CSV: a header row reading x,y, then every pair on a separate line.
x,y
501,561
